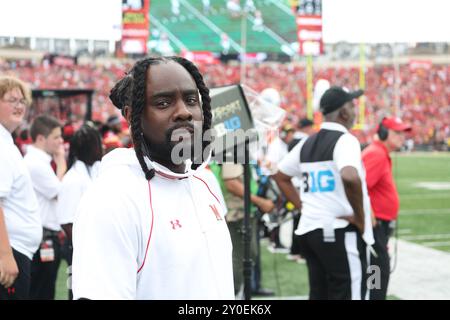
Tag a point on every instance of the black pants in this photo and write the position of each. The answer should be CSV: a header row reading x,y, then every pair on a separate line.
x,y
44,274
382,232
336,270
20,290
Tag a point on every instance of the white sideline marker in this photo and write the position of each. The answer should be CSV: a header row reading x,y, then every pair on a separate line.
x,y
436,244
435,185
427,237
424,211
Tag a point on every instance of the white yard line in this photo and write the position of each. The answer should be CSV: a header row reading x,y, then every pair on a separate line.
x,y
434,185
426,237
420,196
424,211
436,243
421,273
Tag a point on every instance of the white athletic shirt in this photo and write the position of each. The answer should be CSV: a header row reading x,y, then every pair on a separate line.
x,y
74,184
18,200
323,195
276,151
163,239
46,185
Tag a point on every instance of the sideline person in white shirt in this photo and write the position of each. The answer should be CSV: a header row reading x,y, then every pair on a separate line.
x,y
20,222
335,225
85,153
153,227
47,145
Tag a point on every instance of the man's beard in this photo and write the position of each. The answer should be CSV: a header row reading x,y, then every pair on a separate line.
x,y
163,151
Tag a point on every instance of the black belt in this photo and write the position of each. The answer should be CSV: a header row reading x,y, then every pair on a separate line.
x,y
48,233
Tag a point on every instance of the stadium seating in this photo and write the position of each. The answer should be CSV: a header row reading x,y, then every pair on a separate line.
x,y
424,95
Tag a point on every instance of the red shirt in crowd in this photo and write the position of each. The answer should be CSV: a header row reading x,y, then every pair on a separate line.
x,y
380,181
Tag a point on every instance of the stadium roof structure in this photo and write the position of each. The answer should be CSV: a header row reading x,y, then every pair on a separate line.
x,y
19,53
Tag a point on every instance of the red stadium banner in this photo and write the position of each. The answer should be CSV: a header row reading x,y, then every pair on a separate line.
x,y
60,60
253,57
309,27
135,26
415,64
201,56
64,61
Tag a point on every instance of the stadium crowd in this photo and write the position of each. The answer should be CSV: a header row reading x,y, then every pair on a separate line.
x,y
424,94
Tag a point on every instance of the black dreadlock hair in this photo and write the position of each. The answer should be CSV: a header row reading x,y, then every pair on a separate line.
x,y
130,91
86,146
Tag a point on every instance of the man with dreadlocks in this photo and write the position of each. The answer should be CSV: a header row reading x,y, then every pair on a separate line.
x,y
150,226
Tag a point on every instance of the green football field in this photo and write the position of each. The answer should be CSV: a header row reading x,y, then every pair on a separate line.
x,y
423,181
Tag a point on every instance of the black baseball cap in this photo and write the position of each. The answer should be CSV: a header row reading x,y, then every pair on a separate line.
x,y
335,97
305,122
113,120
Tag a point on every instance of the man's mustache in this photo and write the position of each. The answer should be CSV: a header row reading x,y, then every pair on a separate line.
x,y
187,126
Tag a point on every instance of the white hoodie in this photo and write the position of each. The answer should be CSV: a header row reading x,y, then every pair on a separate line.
x,y
162,239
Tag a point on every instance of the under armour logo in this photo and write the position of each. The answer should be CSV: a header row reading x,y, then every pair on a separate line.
x,y
11,291
215,211
175,224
